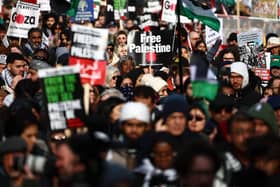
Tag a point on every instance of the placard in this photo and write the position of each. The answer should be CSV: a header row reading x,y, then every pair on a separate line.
x,y
169,11
251,48
151,48
91,71
44,5
89,42
24,17
84,11
63,94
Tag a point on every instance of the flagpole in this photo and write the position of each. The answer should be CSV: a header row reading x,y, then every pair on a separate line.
x,y
180,65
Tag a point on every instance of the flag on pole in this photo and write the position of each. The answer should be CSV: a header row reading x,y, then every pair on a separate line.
x,y
204,81
199,11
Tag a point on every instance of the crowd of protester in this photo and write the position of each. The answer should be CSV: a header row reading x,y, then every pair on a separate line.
x,y
142,129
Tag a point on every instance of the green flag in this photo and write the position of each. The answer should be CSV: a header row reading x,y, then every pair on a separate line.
x,y
119,4
204,82
73,10
206,16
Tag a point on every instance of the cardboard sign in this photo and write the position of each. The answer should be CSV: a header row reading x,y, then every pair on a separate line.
x,y
84,11
151,48
89,42
24,17
251,48
63,93
91,72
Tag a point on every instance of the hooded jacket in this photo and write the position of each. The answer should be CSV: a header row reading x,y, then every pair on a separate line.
x,y
246,96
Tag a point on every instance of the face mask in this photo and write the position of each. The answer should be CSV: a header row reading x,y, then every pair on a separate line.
x,y
127,91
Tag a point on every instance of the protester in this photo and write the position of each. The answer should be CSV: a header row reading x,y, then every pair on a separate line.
x,y
128,105
244,95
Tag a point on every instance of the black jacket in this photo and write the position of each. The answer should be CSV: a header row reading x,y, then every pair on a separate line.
x,y
245,98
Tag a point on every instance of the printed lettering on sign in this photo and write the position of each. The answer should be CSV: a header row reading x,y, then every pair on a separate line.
x,y
24,17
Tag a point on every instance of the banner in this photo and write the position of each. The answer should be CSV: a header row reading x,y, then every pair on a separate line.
x,y
63,93
251,48
91,72
151,48
265,9
84,11
87,42
24,17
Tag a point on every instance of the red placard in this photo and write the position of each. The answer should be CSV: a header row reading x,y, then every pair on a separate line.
x,y
263,73
92,72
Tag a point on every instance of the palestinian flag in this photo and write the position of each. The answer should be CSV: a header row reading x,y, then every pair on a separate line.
x,y
195,9
204,81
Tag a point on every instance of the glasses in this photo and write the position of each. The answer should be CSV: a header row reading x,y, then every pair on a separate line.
x,y
196,118
115,77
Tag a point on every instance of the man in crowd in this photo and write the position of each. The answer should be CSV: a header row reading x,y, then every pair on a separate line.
x,y
244,94
15,70
34,42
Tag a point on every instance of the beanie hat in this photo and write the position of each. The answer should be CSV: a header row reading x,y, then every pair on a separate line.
x,y
174,103
135,110
241,68
39,64
264,112
274,101
13,144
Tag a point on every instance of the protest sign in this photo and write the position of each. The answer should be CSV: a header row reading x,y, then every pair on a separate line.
x,y
88,52
96,8
89,42
44,5
153,6
84,11
169,11
63,93
212,36
120,8
91,72
251,48
24,17
151,48
110,11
